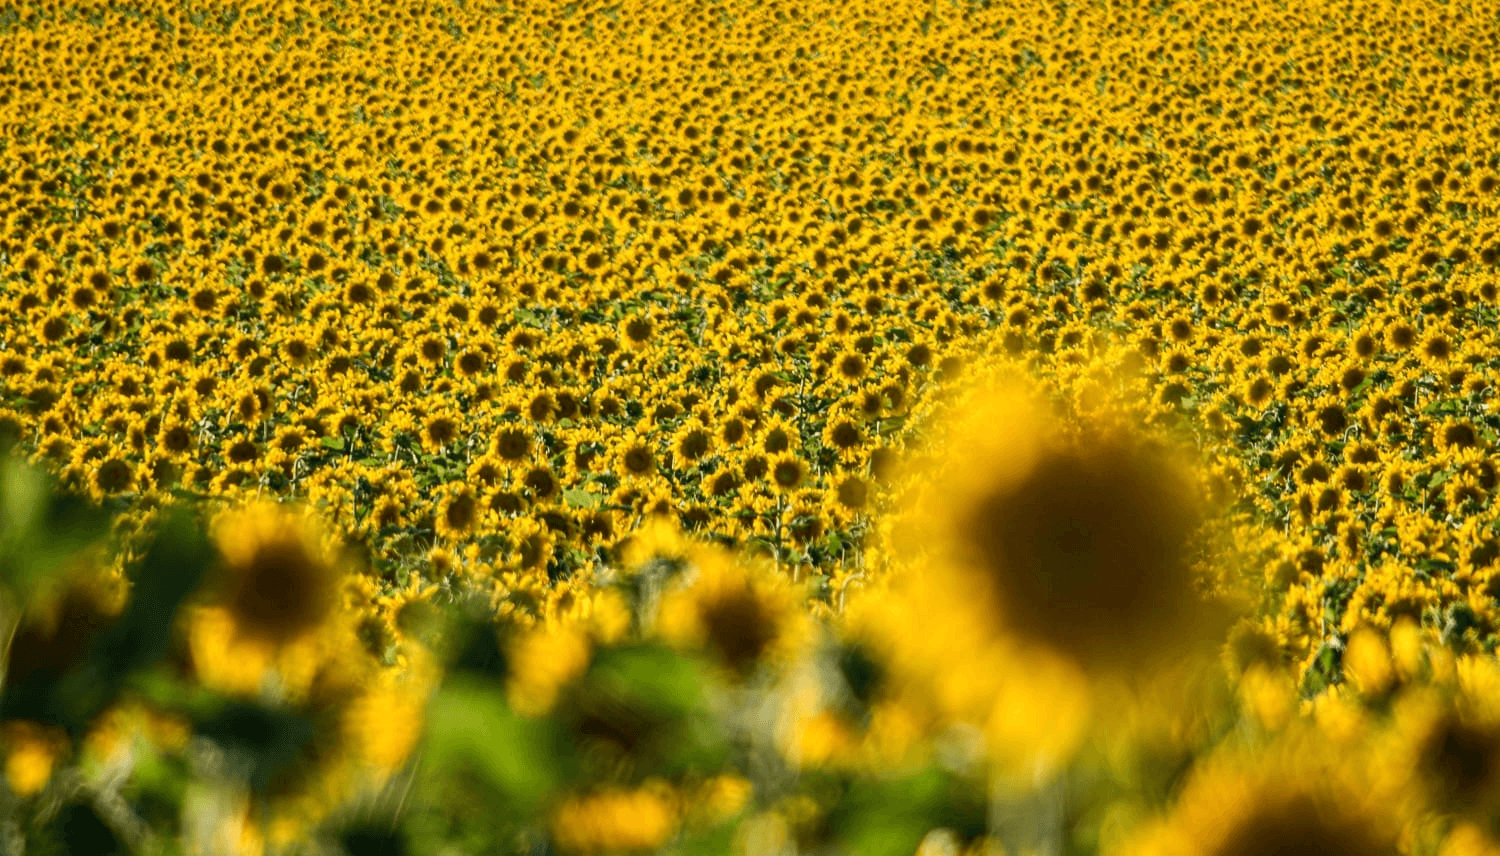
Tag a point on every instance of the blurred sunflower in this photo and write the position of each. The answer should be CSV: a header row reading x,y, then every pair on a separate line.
x,y
1081,545
1291,801
744,617
278,580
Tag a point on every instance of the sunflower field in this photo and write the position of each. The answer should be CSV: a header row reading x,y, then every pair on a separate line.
x,y
925,427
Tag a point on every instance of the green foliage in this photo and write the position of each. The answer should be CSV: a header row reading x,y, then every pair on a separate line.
x,y
40,528
171,570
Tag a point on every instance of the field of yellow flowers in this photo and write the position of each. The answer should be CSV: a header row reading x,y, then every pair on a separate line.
x,y
715,426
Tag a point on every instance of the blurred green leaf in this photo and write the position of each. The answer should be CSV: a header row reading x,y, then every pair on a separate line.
x,y
469,641
156,789
40,528
172,569
579,498
713,842
1325,670
374,839
472,727
889,817
644,707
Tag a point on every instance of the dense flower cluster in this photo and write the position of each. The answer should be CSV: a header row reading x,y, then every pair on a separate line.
x,y
637,331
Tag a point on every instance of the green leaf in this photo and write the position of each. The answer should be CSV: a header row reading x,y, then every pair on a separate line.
x,y
889,816
657,697
579,498
471,727
334,443
40,528
172,569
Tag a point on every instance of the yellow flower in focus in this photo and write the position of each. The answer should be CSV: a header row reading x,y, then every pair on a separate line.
x,y
615,820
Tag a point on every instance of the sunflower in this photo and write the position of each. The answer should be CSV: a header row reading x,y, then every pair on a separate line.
x,y
1436,350
638,331
512,443
778,436
1454,435
439,430
113,476
1285,805
431,349
471,362
744,618
637,458
692,443
1079,544
1400,335
242,451
853,493
844,434
722,483
788,472
541,407
541,484
457,514
175,437
278,581
852,367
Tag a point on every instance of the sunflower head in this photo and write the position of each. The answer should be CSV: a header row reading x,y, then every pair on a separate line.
x,y
279,580
741,618
1082,546
1310,804
1069,535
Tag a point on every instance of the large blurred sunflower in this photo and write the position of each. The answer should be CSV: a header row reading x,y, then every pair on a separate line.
x,y
279,580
